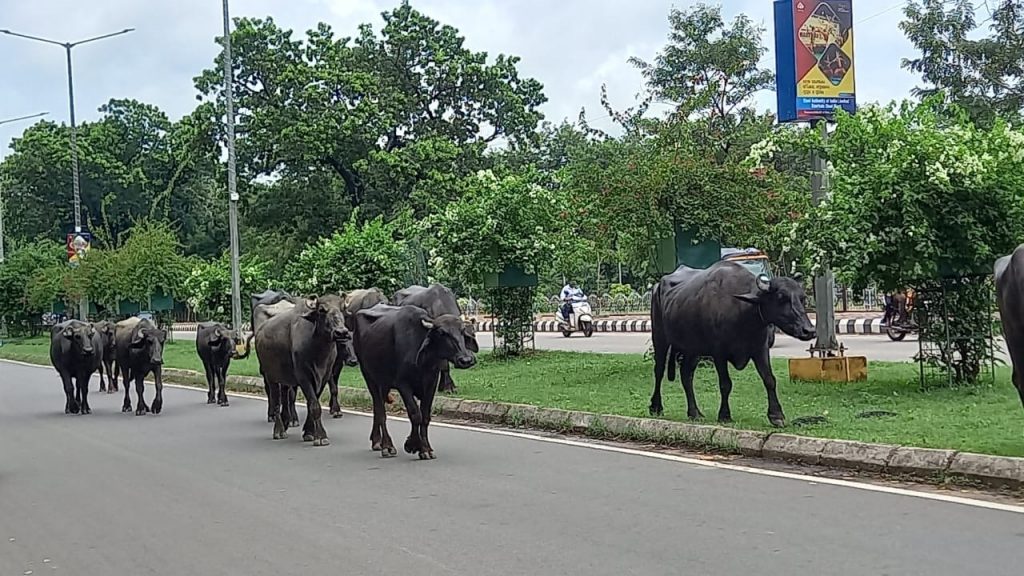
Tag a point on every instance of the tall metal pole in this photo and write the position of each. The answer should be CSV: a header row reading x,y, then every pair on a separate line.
x,y
75,187
236,281
824,283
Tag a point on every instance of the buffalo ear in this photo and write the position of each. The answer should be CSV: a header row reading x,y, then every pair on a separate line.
x,y
763,283
137,337
798,276
68,332
311,302
427,323
750,298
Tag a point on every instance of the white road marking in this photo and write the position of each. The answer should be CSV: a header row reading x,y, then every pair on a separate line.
x,y
812,480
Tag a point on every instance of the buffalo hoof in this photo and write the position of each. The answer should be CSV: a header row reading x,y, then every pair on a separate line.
x,y
336,413
103,388
270,419
294,423
74,409
698,415
777,421
307,437
140,412
321,442
375,446
86,410
411,445
223,403
126,408
655,410
724,419
157,407
67,410
210,400
424,456
388,452
280,435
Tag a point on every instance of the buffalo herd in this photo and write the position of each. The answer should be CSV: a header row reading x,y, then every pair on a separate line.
x,y
409,343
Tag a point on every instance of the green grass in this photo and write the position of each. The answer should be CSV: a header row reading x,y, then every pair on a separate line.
x,y
985,418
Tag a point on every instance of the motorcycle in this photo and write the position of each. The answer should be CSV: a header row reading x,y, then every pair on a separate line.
x,y
902,323
581,319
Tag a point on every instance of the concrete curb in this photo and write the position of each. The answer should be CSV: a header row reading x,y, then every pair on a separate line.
x,y
926,463
844,326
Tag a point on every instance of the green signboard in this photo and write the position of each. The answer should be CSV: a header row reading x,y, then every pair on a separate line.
x,y
684,248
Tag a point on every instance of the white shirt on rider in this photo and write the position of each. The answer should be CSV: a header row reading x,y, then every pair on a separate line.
x,y
571,294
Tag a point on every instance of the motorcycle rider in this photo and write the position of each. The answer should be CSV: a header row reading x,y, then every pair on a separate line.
x,y
570,293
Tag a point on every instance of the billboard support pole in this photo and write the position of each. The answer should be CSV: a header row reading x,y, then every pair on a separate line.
x,y
824,283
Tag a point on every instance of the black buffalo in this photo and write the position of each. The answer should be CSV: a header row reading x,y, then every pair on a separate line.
x,y
108,350
215,344
296,349
75,353
271,303
405,349
1009,275
140,352
438,301
723,313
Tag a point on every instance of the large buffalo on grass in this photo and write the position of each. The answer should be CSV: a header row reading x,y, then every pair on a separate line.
x,y
438,301
724,313
1009,274
75,352
406,349
140,352
296,349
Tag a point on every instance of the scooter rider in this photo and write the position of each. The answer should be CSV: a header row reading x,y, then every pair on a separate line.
x,y
570,293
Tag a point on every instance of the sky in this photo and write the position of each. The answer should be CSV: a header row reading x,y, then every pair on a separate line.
x,y
571,46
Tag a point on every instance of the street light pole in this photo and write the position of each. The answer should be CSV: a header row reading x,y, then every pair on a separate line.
x,y
2,122
83,304
229,105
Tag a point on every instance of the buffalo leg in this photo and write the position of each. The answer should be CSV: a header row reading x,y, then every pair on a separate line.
x,y
724,388
332,386
211,383
688,365
125,381
103,383
82,391
140,389
414,442
158,380
111,377
1018,382
280,422
70,402
764,370
289,395
222,384
661,356
308,384
271,391
447,384
426,407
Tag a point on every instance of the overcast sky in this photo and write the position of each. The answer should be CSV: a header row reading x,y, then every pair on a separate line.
x,y
571,46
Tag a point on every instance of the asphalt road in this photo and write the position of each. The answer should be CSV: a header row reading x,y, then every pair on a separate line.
x,y
875,347
204,490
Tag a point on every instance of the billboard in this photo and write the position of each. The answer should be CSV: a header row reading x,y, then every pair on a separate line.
x,y
814,59
77,245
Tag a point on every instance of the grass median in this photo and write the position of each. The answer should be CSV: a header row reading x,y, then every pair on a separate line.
x,y
986,418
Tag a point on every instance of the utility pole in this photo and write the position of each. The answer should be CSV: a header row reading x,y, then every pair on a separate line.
x,y
236,281
83,304
824,284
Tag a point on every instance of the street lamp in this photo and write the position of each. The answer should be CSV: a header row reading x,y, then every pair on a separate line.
x,y
236,288
67,46
2,122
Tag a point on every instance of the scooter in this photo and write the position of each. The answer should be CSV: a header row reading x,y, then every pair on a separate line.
x,y
581,320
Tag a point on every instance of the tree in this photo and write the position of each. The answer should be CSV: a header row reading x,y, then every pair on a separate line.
x,y
980,74
378,112
709,72
17,274
371,254
207,289
919,192
134,163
